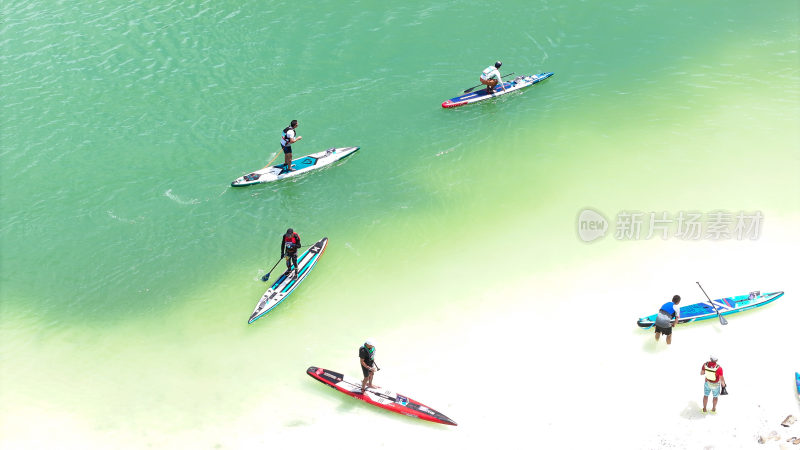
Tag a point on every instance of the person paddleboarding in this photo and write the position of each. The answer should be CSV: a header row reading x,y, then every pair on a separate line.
x,y
491,77
366,355
289,137
290,242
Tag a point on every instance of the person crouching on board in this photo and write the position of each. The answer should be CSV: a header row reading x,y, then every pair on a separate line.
x,y
289,245
367,356
491,77
714,379
667,318
288,137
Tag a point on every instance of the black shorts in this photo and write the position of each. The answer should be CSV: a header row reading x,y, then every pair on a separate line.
x,y
665,331
287,149
291,258
365,371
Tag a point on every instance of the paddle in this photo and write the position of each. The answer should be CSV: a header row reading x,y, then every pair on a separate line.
x,y
721,319
474,87
266,277
273,159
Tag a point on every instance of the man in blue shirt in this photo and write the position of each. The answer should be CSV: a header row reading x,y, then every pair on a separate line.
x,y
667,318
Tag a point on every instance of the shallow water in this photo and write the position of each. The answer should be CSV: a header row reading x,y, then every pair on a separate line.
x,y
130,267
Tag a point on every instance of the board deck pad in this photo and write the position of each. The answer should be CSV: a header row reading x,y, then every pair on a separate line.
x,y
380,397
300,166
510,86
288,282
725,306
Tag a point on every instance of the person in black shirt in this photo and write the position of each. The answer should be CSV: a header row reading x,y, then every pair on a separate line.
x,y
290,242
367,356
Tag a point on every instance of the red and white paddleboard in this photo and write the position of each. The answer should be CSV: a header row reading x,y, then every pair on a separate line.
x,y
382,398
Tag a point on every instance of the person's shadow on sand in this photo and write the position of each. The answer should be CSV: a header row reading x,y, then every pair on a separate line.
x,y
653,346
693,411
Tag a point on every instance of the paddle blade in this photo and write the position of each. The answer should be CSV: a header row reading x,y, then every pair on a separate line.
x,y
470,89
722,320
265,277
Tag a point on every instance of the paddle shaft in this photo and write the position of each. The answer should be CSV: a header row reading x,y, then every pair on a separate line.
x,y
722,320
467,91
273,159
266,277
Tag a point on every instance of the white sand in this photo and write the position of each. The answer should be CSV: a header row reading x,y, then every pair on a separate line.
x,y
566,366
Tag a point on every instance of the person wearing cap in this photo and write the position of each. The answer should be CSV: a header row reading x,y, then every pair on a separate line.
x,y
491,77
367,356
668,316
713,380
290,242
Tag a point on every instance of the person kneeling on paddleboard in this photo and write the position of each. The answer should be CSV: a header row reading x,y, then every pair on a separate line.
x,y
667,318
287,139
289,245
367,356
491,76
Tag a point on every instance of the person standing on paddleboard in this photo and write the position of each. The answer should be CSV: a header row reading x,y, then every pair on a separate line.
x,y
714,379
491,77
290,242
367,356
667,318
288,138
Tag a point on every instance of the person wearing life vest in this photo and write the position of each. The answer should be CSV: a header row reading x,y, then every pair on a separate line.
x,y
668,316
289,137
366,355
290,242
491,77
713,381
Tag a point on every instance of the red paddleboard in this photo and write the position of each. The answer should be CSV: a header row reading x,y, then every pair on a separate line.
x,y
382,398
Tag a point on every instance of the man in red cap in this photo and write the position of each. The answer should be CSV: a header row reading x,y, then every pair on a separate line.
x,y
714,379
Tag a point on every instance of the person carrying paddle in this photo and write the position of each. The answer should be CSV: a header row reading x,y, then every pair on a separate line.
x,y
667,318
491,76
714,379
290,242
289,137
367,356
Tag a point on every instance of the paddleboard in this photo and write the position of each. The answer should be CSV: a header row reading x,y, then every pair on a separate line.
x,y
797,381
382,398
511,86
300,165
725,306
288,282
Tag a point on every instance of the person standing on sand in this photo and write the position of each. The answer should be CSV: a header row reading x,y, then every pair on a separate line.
x,y
714,379
667,318
367,356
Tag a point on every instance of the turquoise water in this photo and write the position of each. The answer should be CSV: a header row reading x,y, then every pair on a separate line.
x,y
127,260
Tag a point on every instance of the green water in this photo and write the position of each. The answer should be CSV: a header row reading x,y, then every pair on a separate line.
x,y
130,267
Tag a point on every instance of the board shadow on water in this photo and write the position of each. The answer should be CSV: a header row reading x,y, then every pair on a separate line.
x,y
350,404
